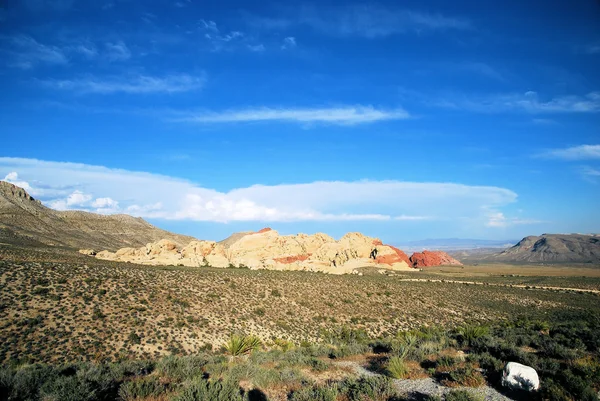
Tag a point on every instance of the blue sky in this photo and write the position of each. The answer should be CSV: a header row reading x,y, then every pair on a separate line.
x,y
402,120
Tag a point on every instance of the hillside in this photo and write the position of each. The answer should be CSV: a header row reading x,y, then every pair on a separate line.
x,y
25,219
546,248
555,248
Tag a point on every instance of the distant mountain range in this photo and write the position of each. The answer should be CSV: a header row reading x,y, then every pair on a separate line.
x,y
24,220
542,249
449,244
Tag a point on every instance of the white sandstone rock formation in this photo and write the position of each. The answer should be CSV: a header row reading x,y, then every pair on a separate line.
x,y
267,249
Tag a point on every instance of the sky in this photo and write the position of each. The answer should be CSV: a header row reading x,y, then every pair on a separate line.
x,y
401,120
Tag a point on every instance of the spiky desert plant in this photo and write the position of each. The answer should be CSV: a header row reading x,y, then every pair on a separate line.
x,y
470,332
396,368
241,345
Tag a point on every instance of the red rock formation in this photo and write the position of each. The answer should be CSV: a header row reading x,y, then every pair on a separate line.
x,y
292,259
400,256
377,242
432,258
264,230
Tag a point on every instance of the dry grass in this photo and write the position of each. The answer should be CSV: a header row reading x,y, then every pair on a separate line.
x,y
76,308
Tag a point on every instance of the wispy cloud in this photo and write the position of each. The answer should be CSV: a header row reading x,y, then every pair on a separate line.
x,y
592,172
580,152
257,48
528,102
499,220
481,69
26,52
97,188
117,51
368,21
135,85
288,43
347,115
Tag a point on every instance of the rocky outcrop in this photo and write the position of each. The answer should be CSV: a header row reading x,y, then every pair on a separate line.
x,y
266,249
553,248
29,220
432,258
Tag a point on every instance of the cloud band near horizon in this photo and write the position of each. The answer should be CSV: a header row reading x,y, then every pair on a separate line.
x,y
99,189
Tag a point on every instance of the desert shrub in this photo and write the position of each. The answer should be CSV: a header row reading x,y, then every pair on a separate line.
x,y
27,381
469,333
67,388
462,395
396,368
345,350
493,366
141,388
284,345
316,393
208,390
423,350
445,362
466,376
345,335
576,386
6,380
318,365
241,344
376,388
182,368
400,349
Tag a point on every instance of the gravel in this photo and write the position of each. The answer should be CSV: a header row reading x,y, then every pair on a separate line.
x,y
417,388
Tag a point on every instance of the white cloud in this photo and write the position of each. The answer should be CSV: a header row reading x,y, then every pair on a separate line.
x,y
88,50
591,172
346,115
142,194
369,21
257,48
117,51
528,102
289,43
581,152
13,178
27,52
105,203
135,85
499,220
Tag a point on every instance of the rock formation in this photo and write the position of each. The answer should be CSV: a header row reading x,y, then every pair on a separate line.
x,y
266,249
432,258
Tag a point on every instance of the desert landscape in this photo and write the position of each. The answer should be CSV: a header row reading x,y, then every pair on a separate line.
x,y
383,322
234,200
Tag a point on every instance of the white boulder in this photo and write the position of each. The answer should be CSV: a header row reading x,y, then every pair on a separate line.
x,y
520,377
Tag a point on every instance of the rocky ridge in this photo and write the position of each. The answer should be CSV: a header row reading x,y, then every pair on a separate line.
x,y
24,219
266,249
433,258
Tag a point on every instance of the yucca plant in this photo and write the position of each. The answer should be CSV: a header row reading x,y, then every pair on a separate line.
x,y
469,333
396,368
241,345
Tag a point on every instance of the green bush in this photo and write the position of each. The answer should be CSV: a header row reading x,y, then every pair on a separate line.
x,y
207,390
469,333
317,393
445,361
182,368
396,368
375,388
141,388
463,395
67,388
